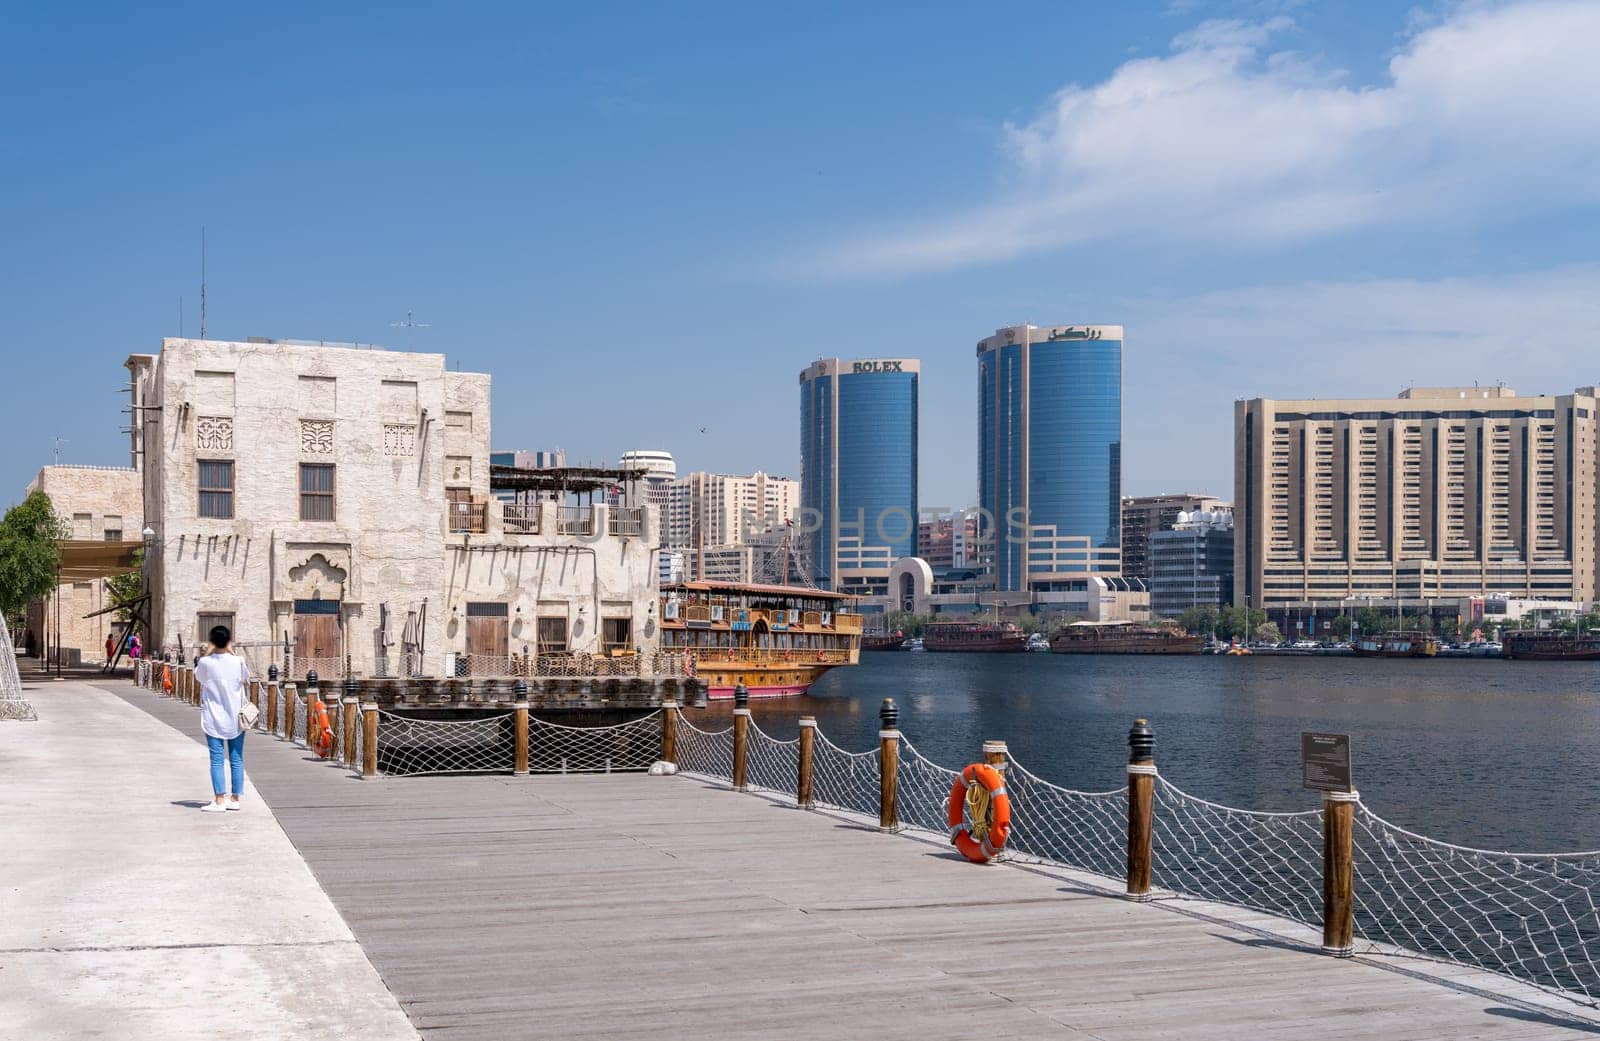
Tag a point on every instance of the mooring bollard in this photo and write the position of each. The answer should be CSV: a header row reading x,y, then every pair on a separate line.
x,y
994,753
272,699
1141,807
352,719
369,739
741,735
519,729
669,731
1338,873
808,744
311,695
888,765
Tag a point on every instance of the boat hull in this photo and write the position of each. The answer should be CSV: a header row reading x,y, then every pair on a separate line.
x,y
1002,646
1176,645
1552,650
761,681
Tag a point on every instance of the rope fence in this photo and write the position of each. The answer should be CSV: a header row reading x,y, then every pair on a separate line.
x,y
1531,917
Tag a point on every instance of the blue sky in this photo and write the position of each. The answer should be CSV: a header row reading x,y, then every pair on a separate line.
x,y
644,221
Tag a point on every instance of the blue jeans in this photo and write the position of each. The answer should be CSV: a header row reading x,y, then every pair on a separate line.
x,y
235,750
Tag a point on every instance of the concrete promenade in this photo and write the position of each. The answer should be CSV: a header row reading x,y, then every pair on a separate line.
x,y
630,907
127,914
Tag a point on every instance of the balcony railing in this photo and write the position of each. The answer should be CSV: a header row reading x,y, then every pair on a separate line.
x,y
520,518
471,517
626,521
574,520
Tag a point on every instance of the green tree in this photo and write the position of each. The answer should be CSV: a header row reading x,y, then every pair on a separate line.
x,y
1267,632
1371,621
123,588
1198,621
1339,626
28,552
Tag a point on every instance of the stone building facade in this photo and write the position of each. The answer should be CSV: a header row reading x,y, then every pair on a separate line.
x,y
332,504
97,503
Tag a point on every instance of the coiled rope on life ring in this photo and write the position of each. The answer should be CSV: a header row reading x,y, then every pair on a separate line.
x,y
979,813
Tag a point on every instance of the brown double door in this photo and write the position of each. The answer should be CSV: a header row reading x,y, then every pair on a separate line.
x,y
488,630
316,636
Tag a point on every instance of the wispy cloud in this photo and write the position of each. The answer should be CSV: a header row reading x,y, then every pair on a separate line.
x,y
1486,114
1191,357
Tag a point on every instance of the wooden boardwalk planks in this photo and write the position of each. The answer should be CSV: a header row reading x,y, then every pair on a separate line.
x,y
626,906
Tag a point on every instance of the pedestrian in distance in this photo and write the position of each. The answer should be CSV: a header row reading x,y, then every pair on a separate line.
x,y
222,676
134,647
111,645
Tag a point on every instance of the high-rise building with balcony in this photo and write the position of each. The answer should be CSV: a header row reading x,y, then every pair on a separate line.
x,y
1440,492
858,469
1050,453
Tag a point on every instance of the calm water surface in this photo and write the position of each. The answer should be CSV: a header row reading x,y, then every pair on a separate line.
x,y
1481,752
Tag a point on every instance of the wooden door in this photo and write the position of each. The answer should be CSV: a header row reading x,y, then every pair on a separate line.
x,y
316,638
488,632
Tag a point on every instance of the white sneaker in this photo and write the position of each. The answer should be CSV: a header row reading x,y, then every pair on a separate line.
x,y
213,807
233,804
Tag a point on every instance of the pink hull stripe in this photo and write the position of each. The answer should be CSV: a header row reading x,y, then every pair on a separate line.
x,y
781,691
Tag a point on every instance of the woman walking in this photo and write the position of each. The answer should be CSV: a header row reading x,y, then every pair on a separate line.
x,y
222,677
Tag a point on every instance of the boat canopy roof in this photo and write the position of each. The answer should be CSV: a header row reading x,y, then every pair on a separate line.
x,y
755,589
1103,625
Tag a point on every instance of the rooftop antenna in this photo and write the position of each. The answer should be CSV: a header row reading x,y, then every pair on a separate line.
x,y
202,281
409,324
56,451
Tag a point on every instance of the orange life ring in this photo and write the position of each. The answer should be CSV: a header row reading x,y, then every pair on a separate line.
x,y
788,655
819,655
318,724
730,653
990,840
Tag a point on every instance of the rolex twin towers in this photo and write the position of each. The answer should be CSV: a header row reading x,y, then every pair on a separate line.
x,y
1049,462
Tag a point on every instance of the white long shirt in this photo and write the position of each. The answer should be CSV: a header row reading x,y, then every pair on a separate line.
x,y
222,677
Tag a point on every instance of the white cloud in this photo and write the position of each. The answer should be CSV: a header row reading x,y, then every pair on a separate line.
x,y
1486,114
1189,358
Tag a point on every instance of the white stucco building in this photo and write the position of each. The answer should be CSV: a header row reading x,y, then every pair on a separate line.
x,y
335,503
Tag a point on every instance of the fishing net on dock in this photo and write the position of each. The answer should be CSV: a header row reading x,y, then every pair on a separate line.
x,y
558,749
12,704
844,780
1268,861
1531,916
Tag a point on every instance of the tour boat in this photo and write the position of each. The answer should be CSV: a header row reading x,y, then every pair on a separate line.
x,y
883,641
1401,644
776,640
1550,645
1123,638
974,637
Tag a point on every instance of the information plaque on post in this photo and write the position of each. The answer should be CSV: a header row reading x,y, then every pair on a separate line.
x,y
1325,762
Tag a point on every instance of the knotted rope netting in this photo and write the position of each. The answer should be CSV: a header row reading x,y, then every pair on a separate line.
x,y
1532,917
556,748
12,704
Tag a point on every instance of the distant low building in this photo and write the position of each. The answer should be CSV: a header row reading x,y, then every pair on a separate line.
x,y
1191,563
97,503
1145,515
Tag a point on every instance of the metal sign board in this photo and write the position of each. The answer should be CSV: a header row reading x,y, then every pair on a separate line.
x,y
1325,762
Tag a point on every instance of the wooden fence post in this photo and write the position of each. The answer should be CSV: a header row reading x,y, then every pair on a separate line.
x,y
994,753
291,694
888,765
1141,807
519,729
1338,873
369,739
741,735
312,695
352,719
808,744
272,699
669,731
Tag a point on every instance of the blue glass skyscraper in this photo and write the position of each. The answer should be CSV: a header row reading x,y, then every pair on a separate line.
x,y
1050,453
858,469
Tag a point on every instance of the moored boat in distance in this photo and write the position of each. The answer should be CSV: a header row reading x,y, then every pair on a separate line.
x,y
776,640
974,637
1123,638
894,641
1550,645
1399,644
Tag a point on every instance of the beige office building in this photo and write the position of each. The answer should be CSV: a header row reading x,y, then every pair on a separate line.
x,y
1441,492
724,523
